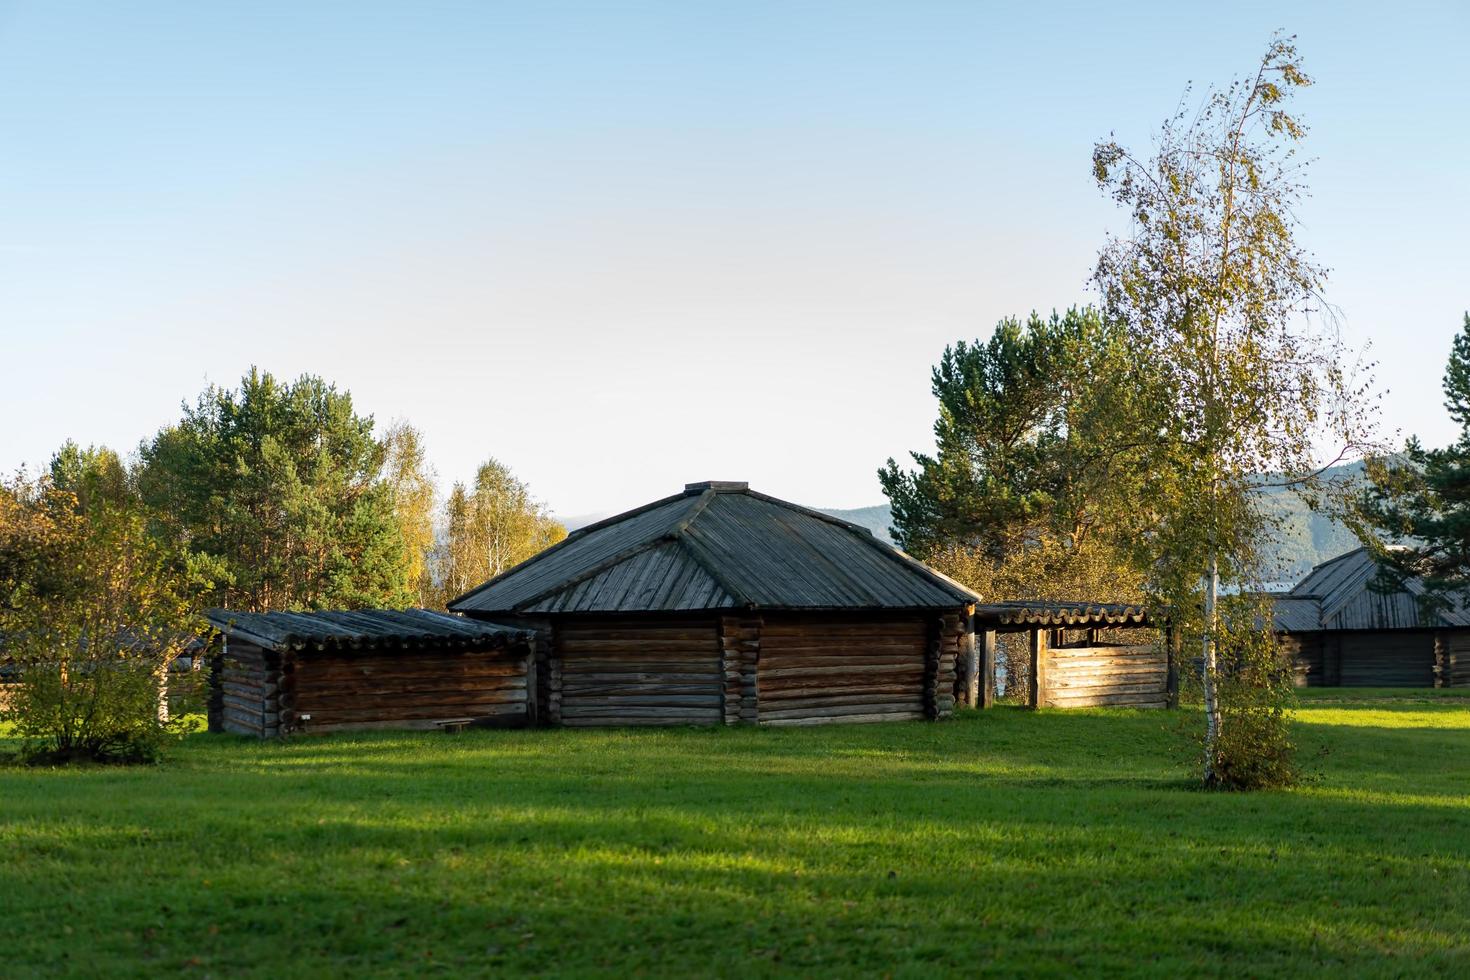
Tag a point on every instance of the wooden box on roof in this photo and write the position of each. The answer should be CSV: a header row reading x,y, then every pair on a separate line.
x,y
724,605
281,673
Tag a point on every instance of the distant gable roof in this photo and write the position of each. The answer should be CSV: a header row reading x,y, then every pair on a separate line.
x,y
1338,595
361,628
717,545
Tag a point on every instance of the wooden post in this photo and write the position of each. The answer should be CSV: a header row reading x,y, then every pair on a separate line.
x,y
1441,661
970,674
987,669
1039,644
1171,678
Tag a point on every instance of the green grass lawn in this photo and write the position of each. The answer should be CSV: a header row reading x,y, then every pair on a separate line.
x,y
1005,841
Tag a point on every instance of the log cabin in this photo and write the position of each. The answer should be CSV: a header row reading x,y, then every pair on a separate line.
x,y
281,673
1344,632
722,605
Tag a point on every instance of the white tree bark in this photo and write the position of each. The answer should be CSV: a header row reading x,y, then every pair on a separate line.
x,y
1212,703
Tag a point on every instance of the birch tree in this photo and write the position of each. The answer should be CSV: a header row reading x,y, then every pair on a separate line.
x,y
1215,288
408,473
490,526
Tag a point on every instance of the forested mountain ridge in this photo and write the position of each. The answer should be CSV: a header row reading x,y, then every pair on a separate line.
x,y
1303,538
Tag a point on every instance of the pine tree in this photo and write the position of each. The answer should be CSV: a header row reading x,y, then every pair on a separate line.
x,y
276,490
1420,499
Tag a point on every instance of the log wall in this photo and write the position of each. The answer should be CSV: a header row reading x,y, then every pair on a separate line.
x,y
624,672
820,669
1098,676
1397,658
246,695
1306,653
265,694
351,690
1453,663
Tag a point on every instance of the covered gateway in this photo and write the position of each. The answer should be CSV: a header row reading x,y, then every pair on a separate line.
x,y
1345,632
722,605
281,673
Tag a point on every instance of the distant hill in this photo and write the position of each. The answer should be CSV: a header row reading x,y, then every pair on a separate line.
x,y
876,519
1305,538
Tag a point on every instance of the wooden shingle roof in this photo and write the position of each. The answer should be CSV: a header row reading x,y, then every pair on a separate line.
x,y
1043,613
361,629
716,546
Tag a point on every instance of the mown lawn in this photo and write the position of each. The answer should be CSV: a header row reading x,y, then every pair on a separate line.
x,y
1004,842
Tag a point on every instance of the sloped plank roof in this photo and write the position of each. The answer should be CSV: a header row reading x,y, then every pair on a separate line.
x,y
361,629
716,546
1340,590
1297,614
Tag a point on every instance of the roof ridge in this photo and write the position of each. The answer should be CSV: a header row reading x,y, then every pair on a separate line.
x,y
691,546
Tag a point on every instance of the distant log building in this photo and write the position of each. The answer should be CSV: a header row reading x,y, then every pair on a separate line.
x,y
721,605
1344,632
281,673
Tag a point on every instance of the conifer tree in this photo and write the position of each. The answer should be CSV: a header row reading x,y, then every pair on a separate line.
x,y
277,490
1420,499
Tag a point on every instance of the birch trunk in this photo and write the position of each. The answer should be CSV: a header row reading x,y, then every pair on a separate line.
x,y
1212,703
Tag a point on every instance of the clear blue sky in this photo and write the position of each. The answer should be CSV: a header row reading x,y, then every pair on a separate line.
x,y
622,246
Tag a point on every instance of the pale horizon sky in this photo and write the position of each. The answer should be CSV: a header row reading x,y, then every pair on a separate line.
x,y
625,246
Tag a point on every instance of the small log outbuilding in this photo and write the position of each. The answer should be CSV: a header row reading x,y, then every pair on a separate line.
x,y
1082,655
721,605
282,673
1344,632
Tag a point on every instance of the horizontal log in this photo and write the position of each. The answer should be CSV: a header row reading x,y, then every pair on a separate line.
x,y
1088,674
643,677
337,716
688,715
690,666
910,658
844,626
648,700
255,705
808,647
604,687
704,646
776,708
836,690
506,720
320,701
769,713
407,670
841,719
1115,687
852,670
638,722
1108,700
256,692
602,635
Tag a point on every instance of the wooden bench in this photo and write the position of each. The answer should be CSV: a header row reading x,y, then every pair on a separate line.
x,y
454,724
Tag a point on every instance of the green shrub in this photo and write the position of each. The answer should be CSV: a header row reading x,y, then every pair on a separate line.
x,y
93,613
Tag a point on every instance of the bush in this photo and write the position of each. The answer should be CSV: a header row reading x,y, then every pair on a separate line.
x,y
1255,689
93,614
102,711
